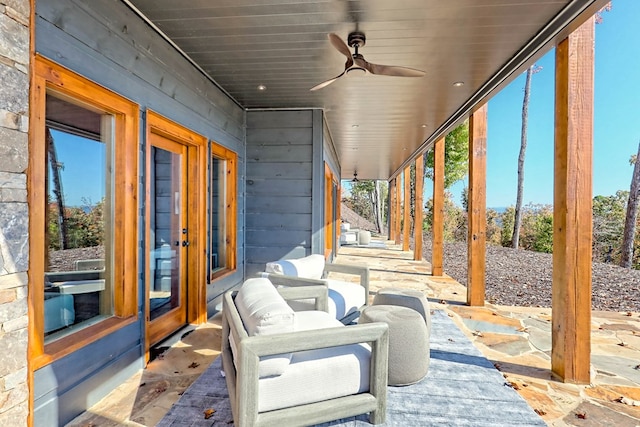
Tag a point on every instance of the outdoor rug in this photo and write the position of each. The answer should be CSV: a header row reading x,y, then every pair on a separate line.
x,y
462,388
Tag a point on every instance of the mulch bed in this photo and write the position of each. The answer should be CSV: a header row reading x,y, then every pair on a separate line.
x,y
523,278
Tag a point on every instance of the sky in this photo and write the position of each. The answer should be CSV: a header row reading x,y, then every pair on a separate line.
x,y
616,118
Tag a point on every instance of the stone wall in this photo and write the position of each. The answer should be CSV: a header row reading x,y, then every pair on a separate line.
x,y
14,213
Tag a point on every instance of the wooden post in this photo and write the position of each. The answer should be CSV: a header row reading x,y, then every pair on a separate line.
x,y
406,215
476,215
572,227
418,209
397,208
391,217
437,252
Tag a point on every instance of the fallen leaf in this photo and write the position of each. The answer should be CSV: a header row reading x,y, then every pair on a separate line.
x,y
627,401
208,413
581,415
194,365
540,412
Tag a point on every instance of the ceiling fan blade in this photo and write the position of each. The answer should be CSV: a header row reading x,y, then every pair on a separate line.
x,y
347,65
327,82
389,70
340,45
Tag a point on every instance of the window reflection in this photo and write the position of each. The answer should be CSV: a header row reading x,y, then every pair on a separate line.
x,y
78,217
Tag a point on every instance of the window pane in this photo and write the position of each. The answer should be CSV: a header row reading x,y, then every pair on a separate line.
x,y
78,259
166,231
218,257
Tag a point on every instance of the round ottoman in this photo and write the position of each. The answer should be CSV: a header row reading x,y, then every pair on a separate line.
x,y
408,341
406,298
364,237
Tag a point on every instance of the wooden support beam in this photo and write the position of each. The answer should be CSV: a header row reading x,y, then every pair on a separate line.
x,y
572,226
418,209
391,217
406,215
397,208
476,215
437,251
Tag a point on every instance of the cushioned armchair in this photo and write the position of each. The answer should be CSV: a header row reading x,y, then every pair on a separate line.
x,y
299,368
345,298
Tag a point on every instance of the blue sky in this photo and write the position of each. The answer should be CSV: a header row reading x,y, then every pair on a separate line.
x,y
616,124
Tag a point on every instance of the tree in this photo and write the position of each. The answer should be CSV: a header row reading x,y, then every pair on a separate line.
x,y
608,225
517,223
456,156
632,212
368,198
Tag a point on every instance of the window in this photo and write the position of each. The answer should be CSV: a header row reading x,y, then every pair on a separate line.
x,y
83,239
222,211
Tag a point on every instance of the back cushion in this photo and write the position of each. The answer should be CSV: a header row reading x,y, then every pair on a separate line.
x,y
264,312
309,267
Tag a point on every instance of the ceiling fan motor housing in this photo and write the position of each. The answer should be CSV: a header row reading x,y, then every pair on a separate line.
x,y
356,39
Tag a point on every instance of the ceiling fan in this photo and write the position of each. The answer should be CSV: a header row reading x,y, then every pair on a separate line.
x,y
357,63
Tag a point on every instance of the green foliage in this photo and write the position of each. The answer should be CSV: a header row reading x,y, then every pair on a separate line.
x,y
493,229
508,218
85,226
608,226
456,156
455,219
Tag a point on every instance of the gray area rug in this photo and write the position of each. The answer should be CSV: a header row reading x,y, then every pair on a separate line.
x,y
462,388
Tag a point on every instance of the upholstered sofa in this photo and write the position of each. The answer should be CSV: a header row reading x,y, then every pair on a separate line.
x,y
345,298
299,368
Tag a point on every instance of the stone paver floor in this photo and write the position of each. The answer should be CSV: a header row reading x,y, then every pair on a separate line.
x,y
516,339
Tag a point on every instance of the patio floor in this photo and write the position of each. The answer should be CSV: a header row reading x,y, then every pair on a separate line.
x,y
516,340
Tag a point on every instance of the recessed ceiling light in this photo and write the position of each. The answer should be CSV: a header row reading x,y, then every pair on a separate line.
x,y
458,84
424,126
262,88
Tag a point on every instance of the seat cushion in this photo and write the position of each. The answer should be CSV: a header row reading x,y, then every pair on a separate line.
x,y
264,312
344,298
317,375
309,267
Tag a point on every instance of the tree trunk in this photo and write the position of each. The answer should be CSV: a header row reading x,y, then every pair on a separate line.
x,y
515,238
632,211
377,206
57,191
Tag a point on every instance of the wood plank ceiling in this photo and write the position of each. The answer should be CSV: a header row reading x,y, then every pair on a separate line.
x,y
378,123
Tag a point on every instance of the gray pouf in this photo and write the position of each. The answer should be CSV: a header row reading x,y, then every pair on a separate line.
x,y
408,342
364,237
405,298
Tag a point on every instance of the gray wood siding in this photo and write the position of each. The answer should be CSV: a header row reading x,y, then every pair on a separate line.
x,y
109,44
279,186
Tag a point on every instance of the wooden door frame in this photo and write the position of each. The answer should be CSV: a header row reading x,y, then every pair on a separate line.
x,y
196,210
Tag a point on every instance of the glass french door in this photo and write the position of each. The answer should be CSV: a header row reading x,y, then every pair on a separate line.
x,y
166,290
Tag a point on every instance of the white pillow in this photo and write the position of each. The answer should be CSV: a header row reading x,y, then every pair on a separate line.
x,y
309,267
264,312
